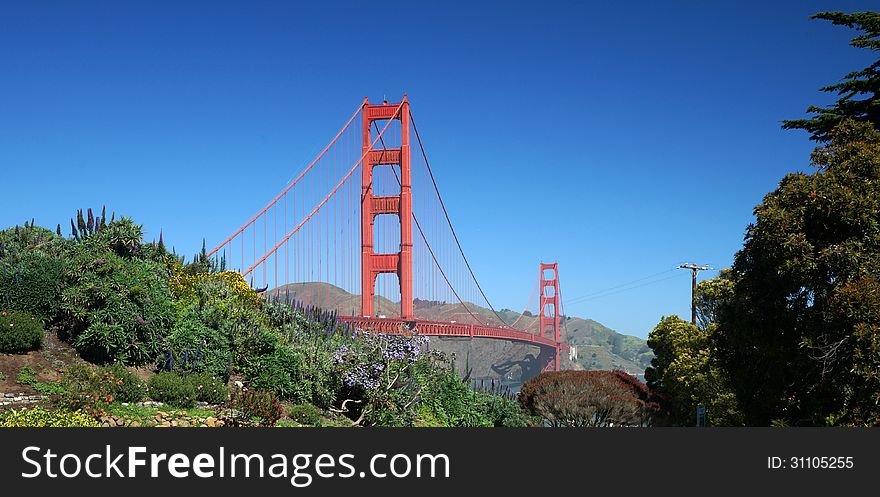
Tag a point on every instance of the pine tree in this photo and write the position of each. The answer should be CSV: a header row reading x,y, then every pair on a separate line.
x,y
859,91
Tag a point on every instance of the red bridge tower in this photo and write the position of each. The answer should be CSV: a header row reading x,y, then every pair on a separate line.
x,y
548,317
373,264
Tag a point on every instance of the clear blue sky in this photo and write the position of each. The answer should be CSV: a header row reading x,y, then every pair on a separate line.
x,y
654,126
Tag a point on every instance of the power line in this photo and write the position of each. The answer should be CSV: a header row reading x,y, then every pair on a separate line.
x,y
590,296
622,290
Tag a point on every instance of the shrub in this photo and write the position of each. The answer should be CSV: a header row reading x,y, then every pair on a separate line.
x,y
115,308
31,284
31,270
38,417
172,388
208,388
305,414
20,332
194,347
123,384
257,406
93,389
293,374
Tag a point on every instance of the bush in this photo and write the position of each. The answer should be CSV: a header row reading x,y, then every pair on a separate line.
x,y
20,332
172,388
208,388
194,347
305,414
115,308
31,284
31,270
123,384
293,374
38,417
83,390
93,389
256,406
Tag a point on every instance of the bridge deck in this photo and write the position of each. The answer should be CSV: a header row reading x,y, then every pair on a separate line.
x,y
433,328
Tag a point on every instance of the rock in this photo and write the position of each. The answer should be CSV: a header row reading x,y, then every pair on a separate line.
x,y
220,422
183,423
173,422
125,403
211,421
135,424
120,422
165,424
9,395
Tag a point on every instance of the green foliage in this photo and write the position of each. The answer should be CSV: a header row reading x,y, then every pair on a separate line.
x,y
184,390
260,407
299,374
38,417
87,389
20,332
686,374
306,414
209,388
26,376
122,384
455,404
799,332
859,91
709,297
191,345
173,389
30,282
115,307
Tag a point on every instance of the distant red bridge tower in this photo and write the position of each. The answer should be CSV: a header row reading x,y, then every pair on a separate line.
x,y
548,318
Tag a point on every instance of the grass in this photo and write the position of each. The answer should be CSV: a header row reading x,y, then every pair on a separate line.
x,y
147,415
27,376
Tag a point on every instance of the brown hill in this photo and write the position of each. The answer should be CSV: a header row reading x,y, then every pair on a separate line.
x,y
597,346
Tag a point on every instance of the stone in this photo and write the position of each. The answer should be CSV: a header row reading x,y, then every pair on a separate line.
x,y
135,424
9,395
173,422
211,421
183,423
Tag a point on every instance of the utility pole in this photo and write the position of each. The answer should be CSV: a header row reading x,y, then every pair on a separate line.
x,y
695,268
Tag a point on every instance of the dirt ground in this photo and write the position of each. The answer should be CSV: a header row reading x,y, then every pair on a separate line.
x,y
46,362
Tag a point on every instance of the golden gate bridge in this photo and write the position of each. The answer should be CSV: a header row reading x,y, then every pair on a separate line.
x,y
383,254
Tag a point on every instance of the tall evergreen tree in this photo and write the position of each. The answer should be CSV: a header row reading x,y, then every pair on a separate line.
x,y
858,91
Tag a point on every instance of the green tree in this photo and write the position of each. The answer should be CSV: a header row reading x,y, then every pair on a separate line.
x,y
686,374
799,334
858,91
710,295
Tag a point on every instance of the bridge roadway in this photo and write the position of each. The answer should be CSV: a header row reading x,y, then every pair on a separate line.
x,y
397,326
